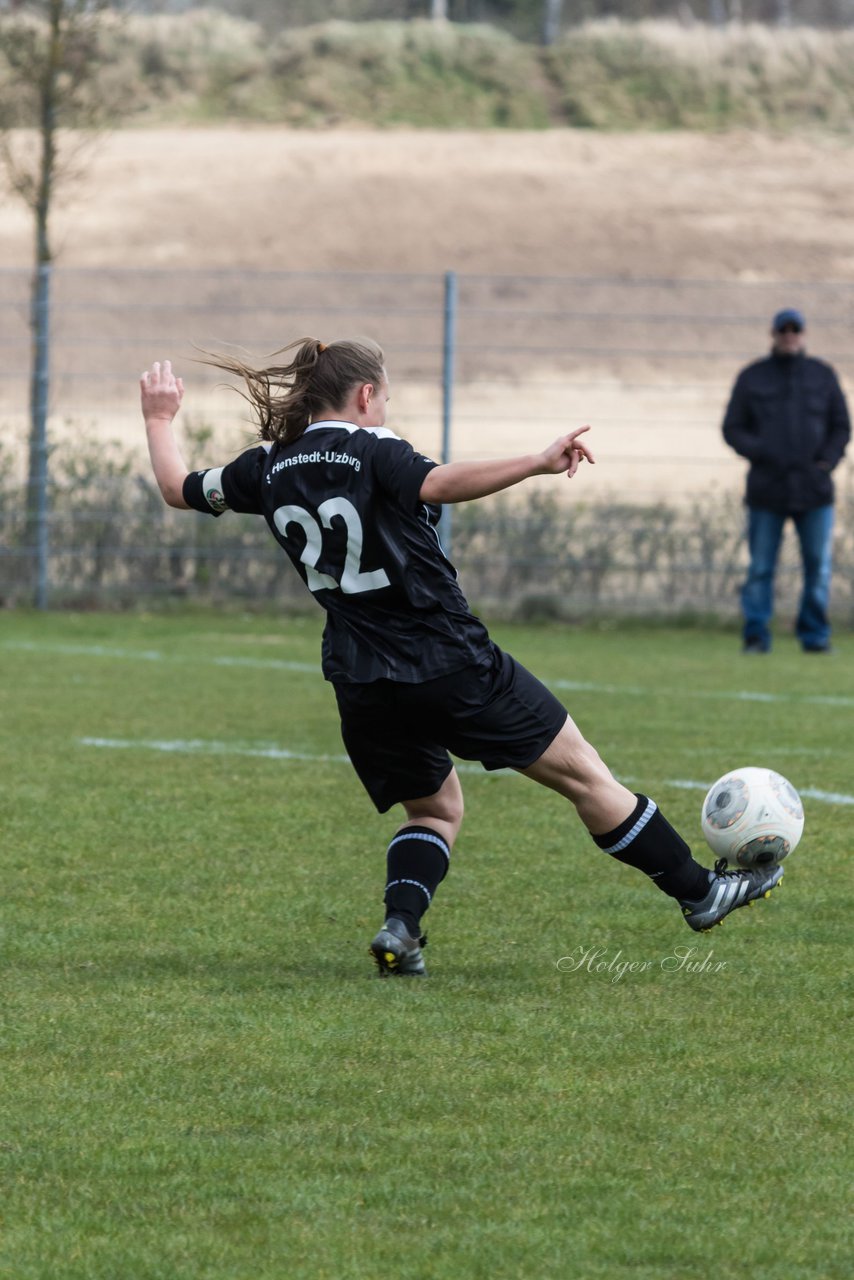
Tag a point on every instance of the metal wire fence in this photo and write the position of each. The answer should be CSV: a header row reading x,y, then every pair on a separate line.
x,y
655,527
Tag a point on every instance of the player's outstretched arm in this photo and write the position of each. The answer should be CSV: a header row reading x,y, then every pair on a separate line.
x,y
161,394
464,481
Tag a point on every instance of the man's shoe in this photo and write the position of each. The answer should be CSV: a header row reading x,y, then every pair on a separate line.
x,y
755,645
817,648
728,890
396,952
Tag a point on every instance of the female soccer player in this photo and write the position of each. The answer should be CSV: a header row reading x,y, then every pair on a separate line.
x,y
415,674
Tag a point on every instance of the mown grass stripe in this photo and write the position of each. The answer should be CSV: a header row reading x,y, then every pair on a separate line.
x,y
310,668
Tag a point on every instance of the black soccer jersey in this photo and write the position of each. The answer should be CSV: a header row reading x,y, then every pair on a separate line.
x,y
343,502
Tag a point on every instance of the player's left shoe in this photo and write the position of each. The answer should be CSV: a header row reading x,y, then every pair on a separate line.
x,y
396,952
728,890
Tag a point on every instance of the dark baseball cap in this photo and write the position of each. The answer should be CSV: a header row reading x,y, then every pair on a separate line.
x,y
789,315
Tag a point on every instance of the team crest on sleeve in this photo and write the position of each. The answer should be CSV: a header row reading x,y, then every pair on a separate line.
x,y
212,489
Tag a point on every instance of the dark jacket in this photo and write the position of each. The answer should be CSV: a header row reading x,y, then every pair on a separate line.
x,y
787,415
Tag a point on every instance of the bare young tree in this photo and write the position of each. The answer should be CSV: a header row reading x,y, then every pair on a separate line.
x,y
52,53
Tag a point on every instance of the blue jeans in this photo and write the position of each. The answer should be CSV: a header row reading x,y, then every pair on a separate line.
x,y
764,533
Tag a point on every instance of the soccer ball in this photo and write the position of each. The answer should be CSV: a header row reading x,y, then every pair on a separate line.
x,y
752,817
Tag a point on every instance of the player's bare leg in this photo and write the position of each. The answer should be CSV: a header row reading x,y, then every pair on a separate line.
x,y
632,829
442,811
573,768
626,825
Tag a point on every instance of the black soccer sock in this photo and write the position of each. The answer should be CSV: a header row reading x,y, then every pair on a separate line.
x,y
417,862
647,841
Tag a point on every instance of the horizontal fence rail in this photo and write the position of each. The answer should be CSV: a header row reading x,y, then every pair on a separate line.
x,y
480,366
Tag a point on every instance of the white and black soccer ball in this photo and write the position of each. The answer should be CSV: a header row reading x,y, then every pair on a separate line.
x,y
752,817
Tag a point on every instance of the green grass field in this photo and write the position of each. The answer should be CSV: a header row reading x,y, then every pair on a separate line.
x,y
200,1075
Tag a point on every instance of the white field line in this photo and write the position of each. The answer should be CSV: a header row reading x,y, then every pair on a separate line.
x,y
156,655
310,668
210,747
826,797
266,751
736,695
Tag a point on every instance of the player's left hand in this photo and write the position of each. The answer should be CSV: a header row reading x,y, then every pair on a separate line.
x,y
161,392
566,454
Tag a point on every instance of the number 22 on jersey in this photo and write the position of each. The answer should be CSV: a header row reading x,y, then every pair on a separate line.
x,y
353,580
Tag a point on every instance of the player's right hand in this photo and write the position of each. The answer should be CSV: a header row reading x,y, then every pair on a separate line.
x,y
161,392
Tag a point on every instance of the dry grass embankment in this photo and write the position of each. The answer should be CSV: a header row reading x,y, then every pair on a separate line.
x,y
205,66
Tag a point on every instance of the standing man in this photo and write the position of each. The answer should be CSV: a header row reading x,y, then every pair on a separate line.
x,y
787,415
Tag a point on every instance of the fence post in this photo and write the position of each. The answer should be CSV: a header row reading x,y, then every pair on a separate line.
x,y
551,21
449,338
38,430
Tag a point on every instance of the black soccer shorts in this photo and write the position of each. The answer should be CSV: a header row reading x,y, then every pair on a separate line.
x,y
398,736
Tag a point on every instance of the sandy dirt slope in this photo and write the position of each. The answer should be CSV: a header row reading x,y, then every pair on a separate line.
x,y
740,208
565,202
